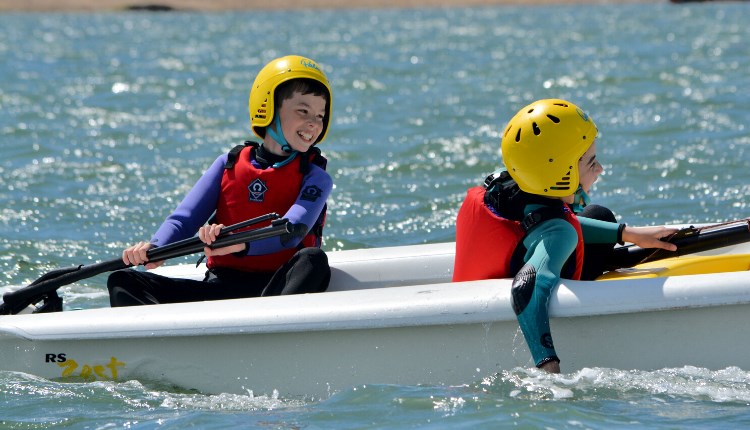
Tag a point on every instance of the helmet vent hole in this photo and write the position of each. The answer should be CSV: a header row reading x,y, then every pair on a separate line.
x,y
554,119
530,110
536,129
518,135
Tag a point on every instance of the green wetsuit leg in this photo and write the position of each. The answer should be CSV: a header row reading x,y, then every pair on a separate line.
x,y
548,247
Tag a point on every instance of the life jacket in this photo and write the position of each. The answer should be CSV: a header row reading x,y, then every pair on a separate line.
x,y
248,191
490,228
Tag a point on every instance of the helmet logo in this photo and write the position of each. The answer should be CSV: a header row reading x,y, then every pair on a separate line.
x,y
584,116
310,64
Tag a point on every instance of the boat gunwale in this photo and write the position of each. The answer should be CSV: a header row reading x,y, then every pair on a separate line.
x,y
475,302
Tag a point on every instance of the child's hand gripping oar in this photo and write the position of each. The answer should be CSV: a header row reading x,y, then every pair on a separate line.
x,y
688,240
45,288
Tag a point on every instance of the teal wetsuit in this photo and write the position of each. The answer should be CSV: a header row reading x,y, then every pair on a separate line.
x,y
548,247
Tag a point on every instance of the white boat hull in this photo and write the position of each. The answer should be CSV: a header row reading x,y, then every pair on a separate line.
x,y
432,332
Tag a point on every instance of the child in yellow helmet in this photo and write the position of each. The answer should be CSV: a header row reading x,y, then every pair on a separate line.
x,y
522,223
290,110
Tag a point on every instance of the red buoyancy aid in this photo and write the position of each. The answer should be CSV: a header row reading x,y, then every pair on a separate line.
x,y
247,192
485,242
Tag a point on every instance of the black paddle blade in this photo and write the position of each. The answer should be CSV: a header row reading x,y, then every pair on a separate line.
x,y
55,274
16,301
12,306
52,302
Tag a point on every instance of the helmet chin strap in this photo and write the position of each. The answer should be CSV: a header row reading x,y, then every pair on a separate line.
x,y
277,134
580,200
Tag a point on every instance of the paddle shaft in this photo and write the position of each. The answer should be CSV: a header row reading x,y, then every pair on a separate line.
x,y
195,245
16,301
164,252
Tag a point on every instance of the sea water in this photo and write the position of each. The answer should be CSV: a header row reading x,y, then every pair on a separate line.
x,y
106,121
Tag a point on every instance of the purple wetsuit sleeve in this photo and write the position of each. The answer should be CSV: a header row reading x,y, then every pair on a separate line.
x,y
316,187
195,209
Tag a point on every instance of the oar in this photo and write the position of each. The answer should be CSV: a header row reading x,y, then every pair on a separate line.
x,y
689,241
47,285
166,250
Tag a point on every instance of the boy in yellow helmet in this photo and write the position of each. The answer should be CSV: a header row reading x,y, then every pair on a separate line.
x,y
290,110
522,223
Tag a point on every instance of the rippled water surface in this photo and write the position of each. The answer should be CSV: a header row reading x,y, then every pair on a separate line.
x,y
106,121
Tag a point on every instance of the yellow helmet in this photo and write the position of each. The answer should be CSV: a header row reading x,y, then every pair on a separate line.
x,y
542,144
278,71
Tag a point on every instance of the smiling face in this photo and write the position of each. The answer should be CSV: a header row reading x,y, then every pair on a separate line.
x,y
302,120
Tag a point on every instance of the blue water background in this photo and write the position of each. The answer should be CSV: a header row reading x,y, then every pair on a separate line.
x,y
106,121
